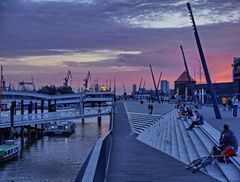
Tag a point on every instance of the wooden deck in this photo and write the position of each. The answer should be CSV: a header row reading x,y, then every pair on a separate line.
x,y
132,160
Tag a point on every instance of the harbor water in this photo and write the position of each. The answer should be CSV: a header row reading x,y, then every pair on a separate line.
x,y
55,159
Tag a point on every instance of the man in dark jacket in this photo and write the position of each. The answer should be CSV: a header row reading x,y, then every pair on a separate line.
x,y
228,143
228,140
199,120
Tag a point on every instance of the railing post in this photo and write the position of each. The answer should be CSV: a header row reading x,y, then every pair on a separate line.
x,y
12,113
42,108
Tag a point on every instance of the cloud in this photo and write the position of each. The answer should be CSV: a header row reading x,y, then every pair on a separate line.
x,y
50,36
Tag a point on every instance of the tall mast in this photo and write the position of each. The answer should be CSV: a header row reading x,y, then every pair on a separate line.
x,y
188,75
204,65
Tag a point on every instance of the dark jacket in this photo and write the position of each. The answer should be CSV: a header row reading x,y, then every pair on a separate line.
x,y
228,139
200,119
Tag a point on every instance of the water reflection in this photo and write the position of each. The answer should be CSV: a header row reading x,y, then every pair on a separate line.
x,y
55,159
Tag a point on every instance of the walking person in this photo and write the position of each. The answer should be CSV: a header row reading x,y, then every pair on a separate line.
x,y
229,103
235,106
224,102
150,108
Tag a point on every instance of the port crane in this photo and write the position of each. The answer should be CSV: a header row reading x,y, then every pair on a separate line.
x,y
22,85
67,78
155,85
139,87
124,93
159,80
86,80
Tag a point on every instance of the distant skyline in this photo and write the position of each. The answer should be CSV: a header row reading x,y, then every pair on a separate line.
x,y
115,38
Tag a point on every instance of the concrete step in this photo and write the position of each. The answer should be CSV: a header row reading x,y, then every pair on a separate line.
x,y
214,171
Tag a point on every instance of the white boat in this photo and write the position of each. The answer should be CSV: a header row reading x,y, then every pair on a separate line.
x,y
60,128
9,150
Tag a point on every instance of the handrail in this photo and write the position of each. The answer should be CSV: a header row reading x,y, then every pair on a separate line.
x,y
40,118
97,164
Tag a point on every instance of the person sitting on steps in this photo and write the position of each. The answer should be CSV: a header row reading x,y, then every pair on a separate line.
x,y
198,121
228,144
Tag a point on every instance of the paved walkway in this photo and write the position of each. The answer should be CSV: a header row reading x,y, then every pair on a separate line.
x,y
132,160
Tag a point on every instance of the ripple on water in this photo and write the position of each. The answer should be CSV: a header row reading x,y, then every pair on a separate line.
x,y
55,159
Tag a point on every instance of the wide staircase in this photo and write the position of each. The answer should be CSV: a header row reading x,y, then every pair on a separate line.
x,y
168,134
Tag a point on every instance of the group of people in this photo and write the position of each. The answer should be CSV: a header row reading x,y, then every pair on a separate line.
x,y
232,104
228,144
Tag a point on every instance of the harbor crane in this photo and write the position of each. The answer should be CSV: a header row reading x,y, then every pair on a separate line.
x,y
155,85
86,80
139,87
22,85
124,93
67,78
159,80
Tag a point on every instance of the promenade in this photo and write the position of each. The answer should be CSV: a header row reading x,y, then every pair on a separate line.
x,y
132,160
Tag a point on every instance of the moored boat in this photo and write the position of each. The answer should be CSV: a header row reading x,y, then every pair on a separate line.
x,y
9,150
61,128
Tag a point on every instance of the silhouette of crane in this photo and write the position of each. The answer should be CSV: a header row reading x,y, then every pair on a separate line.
x,y
22,85
86,80
66,79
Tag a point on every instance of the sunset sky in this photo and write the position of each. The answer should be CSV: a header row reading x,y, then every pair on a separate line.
x,y
115,38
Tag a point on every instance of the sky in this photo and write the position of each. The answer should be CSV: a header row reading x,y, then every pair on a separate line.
x,y
115,38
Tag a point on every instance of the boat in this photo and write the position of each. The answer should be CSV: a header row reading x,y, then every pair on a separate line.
x,y
9,150
60,128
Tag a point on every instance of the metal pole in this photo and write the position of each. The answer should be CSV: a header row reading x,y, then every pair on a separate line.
x,y
139,87
189,78
154,82
204,65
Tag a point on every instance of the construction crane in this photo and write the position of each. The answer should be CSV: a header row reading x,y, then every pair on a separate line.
x,y
124,93
66,79
22,85
155,85
139,87
86,80
159,80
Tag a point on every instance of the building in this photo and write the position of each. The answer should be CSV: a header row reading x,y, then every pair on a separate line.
x,y
228,89
165,87
180,85
134,89
236,69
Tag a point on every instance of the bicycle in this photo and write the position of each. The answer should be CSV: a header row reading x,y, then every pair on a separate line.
x,y
197,164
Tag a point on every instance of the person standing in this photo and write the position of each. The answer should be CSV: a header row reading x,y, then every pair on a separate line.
x,y
229,103
235,106
224,103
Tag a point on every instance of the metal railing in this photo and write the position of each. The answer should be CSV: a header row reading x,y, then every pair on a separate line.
x,y
39,118
96,165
